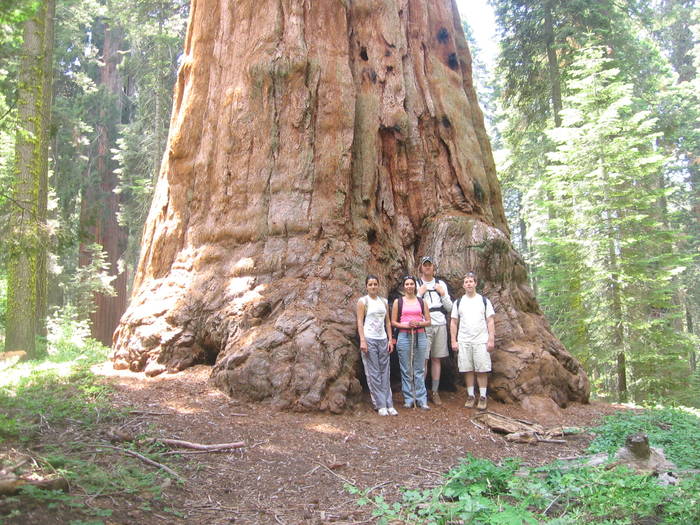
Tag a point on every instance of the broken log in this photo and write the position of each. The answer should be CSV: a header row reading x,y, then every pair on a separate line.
x,y
11,485
521,431
507,425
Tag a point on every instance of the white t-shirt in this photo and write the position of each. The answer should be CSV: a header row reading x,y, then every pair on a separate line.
x,y
375,314
434,300
472,322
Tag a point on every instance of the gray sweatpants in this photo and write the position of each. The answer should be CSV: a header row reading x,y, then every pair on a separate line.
x,y
376,362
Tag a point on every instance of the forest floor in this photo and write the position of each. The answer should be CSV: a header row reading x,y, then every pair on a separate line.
x,y
294,467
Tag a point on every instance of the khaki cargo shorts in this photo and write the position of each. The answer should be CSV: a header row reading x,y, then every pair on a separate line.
x,y
473,358
437,341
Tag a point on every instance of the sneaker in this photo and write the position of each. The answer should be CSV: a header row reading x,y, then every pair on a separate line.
x,y
436,399
471,401
392,411
425,406
482,403
408,405
383,412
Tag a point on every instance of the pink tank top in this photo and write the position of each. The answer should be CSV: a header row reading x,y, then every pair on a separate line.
x,y
411,312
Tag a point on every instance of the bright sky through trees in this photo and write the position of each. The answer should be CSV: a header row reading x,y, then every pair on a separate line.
x,y
479,15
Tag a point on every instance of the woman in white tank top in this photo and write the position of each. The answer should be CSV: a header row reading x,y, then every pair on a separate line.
x,y
374,327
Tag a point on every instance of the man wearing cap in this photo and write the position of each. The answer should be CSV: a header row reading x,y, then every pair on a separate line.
x,y
434,293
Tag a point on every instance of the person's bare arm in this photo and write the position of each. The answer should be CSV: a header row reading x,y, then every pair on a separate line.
x,y
360,325
426,314
491,326
454,325
388,332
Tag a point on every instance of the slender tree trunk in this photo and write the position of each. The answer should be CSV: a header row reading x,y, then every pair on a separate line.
x,y
25,221
100,204
618,339
552,64
692,356
311,143
526,249
158,130
42,256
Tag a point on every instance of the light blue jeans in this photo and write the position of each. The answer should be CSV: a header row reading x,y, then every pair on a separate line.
x,y
412,377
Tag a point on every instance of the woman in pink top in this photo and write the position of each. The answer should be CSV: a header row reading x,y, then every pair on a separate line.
x,y
411,315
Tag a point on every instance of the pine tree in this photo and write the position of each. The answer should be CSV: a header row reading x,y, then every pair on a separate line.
x,y
607,167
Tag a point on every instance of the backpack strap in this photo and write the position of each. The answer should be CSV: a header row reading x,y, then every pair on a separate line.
x,y
456,305
440,308
400,308
363,300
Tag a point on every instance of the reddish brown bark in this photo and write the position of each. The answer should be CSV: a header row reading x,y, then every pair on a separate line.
x,y
100,205
311,143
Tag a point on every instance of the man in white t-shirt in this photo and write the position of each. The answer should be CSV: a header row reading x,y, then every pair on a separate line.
x,y
473,336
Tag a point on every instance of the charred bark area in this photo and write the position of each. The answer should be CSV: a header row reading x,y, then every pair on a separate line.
x,y
311,143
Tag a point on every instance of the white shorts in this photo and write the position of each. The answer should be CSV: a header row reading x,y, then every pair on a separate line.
x,y
473,358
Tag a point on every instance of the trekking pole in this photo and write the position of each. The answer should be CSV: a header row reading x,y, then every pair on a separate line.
x,y
413,372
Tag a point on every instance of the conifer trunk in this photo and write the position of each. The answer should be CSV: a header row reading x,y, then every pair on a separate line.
x,y
43,251
312,143
100,205
25,220
553,64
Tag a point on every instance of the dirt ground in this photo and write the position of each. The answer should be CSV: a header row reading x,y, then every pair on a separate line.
x,y
294,466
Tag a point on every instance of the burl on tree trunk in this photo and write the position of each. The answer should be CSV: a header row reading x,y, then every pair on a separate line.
x,y
311,143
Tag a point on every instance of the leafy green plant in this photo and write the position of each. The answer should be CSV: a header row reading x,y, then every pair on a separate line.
x,y
676,431
480,492
481,476
9,427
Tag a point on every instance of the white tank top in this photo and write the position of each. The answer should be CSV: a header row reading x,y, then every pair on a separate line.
x,y
375,313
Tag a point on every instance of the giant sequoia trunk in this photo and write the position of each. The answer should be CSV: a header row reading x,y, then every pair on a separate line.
x,y
311,143
100,204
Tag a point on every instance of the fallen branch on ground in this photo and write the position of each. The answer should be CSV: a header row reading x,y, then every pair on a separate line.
x,y
146,460
549,440
146,413
345,480
116,436
197,446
